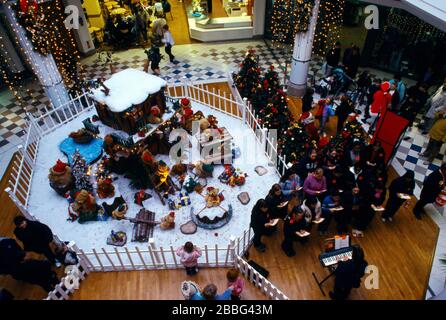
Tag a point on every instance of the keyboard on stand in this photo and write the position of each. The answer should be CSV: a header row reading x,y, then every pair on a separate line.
x,y
331,258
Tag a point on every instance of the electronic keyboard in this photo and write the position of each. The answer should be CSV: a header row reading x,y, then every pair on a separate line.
x,y
331,258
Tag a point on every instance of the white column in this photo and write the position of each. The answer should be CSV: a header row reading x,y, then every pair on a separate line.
x,y
44,67
9,54
258,17
82,34
303,46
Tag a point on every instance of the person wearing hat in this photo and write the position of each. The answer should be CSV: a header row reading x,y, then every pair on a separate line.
x,y
35,237
294,224
381,101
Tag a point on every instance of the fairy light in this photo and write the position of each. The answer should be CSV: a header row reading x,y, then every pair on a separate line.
x,y
290,17
328,29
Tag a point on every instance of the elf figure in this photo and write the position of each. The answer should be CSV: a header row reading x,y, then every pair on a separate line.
x,y
213,198
162,173
60,177
84,207
105,188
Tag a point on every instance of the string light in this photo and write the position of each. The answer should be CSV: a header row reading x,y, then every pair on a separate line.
x,y
328,29
290,17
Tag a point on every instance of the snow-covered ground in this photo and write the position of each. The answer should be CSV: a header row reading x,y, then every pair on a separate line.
x,y
52,209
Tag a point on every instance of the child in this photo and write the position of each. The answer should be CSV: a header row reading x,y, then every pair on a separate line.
x,y
326,114
189,256
236,282
168,42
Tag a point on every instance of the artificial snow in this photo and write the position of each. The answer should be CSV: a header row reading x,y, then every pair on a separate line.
x,y
128,87
52,209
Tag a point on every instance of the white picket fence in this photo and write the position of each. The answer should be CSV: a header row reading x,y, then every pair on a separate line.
x,y
150,257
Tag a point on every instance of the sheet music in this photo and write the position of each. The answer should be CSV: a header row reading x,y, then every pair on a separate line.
x,y
342,242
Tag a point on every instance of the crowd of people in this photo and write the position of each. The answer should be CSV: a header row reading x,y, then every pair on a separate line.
x,y
379,96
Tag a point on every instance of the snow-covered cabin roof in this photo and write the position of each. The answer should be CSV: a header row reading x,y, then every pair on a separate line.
x,y
128,87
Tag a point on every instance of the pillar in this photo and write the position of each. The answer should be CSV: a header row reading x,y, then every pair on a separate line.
x,y
9,54
82,34
258,17
303,47
44,67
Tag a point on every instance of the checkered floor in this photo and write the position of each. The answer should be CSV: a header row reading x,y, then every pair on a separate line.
x,y
197,62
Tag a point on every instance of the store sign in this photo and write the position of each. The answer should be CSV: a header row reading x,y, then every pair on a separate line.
x,y
372,19
72,21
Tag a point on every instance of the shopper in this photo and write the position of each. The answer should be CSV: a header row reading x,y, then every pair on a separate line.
x,y
437,136
236,282
432,186
332,58
435,104
168,42
36,237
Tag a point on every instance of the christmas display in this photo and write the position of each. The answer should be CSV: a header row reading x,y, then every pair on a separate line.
x,y
60,178
130,100
276,114
117,238
295,142
90,148
81,173
248,78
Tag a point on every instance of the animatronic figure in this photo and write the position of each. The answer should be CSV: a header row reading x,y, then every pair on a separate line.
x,y
168,221
60,178
84,207
213,198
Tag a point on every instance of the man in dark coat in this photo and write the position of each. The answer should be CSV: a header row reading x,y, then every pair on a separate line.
x,y
10,255
35,237
432,186
36,272
333,56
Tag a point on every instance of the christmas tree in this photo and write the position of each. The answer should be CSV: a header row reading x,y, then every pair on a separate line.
x,y
271,82
276,114
259,99
79,169
351,132
248,77
295,142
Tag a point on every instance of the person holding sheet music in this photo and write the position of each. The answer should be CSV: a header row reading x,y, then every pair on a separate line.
x,y
331,206
312,210
277,202
290,184
353,201
295,228
316,184
373,203
308,164
337,180
260,223
400,191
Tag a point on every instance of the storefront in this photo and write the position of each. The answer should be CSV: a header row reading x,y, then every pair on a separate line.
x,y
203,20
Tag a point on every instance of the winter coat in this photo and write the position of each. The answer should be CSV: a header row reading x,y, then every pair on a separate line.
x,y
36,272
35,237
258,220
432,186
438,130
290,185
381,100
10,255
273,203
189,259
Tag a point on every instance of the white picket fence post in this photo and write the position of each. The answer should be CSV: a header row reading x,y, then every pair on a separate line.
x,y
244,106
154,250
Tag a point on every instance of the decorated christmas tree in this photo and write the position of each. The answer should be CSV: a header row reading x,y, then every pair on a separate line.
x,y
248,77
276,114
259,99
79,169
271,82
295,142
351,132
